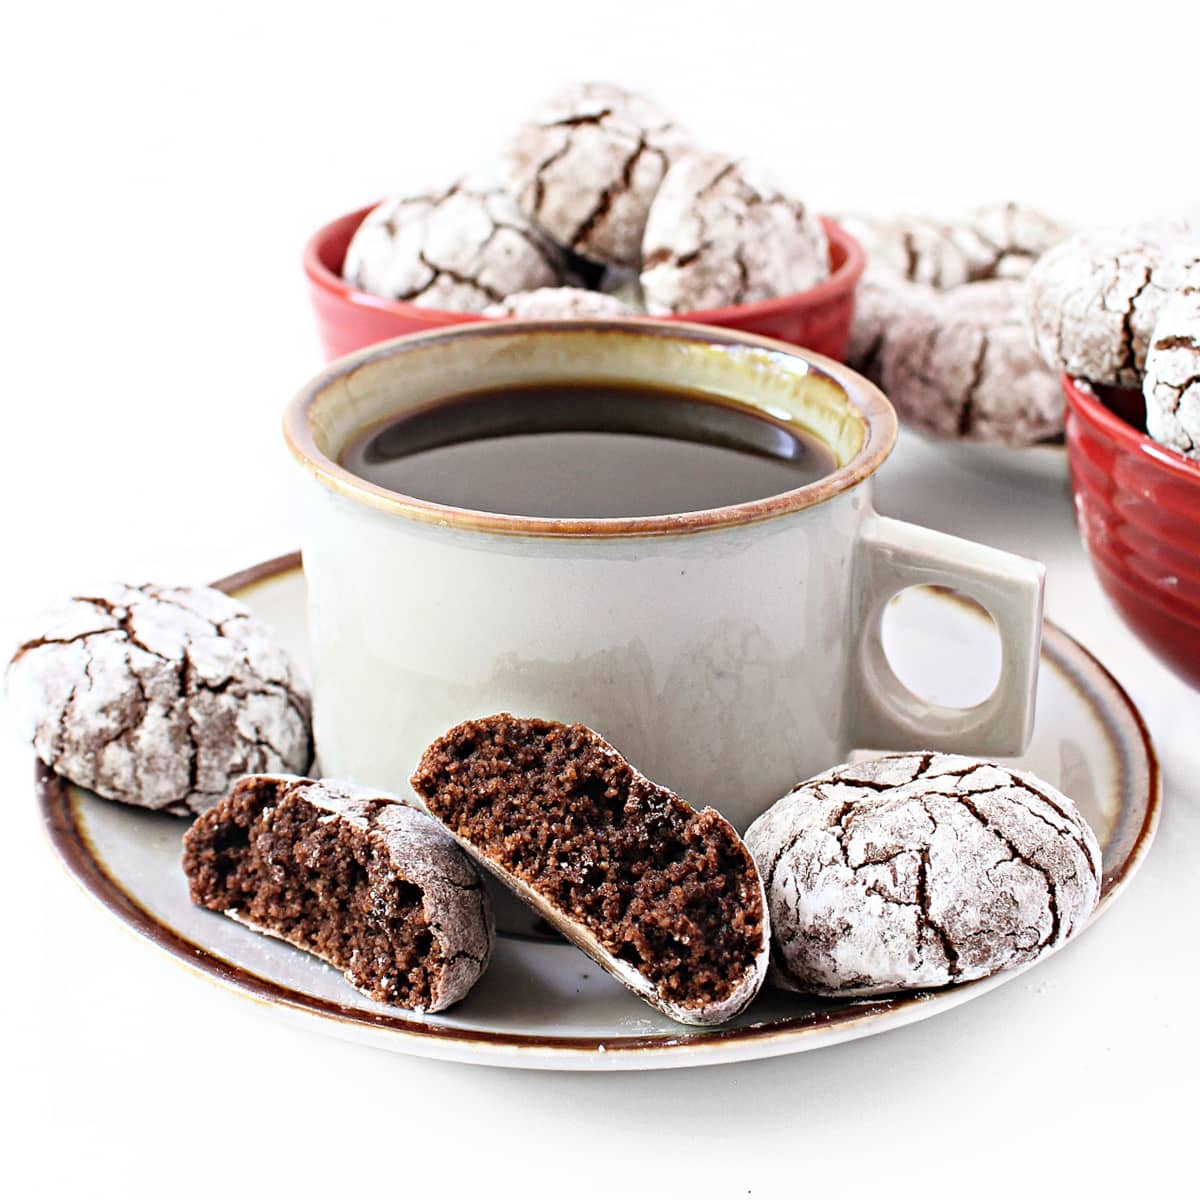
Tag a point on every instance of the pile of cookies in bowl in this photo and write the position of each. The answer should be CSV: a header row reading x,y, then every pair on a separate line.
x,y
941,324
1117,314
601,204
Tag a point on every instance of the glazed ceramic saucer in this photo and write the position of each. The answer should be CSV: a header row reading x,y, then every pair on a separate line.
x,y
541,1002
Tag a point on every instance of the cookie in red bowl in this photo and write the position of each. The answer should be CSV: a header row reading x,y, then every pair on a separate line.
x,y
349,319
1138,506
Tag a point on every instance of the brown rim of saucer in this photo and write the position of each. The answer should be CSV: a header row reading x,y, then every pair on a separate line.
x,y
867,402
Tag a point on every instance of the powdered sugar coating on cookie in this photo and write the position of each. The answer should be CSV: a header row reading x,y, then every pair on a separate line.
x,y
998,241
1172,383
1015,235
559,303
587,164
461,249
920,870
1095,298
159,697
922,251
962,367
721,232
922,273
881,304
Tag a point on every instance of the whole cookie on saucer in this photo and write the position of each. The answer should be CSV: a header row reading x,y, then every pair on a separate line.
x,y
357,877
919,870
665,898
462,248
961,366
159,696
587,164
1172,383
1094,300
721,232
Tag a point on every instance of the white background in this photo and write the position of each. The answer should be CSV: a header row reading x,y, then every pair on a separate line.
x,y
164,164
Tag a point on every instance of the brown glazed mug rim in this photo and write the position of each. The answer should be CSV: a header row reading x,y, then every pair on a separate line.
x,y
867,403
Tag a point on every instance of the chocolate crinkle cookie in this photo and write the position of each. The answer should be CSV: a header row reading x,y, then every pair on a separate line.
x,y
357,877
559,303
1014,237
720,232
1172,383
1094,299
462,249
587,164
919,870
881,304
914,249
940,324
961,366
665,898
158,696
999,241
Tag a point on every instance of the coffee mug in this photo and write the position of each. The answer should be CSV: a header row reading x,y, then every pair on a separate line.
x,y
728,652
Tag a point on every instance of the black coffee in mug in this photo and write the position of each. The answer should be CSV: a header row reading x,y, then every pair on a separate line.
x,y
580,450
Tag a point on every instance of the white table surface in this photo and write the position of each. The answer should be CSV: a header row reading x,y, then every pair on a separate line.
x,y
170,163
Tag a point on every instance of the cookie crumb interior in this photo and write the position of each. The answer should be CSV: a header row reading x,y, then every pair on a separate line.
x,y
318,882
669,890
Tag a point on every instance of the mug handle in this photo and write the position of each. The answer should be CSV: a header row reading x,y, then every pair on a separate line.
x,y
885,714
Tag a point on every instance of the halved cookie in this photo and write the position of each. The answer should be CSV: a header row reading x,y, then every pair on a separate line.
x,y
665,898
367,883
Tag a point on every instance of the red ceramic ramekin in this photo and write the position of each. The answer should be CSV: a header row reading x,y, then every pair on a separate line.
x,y
349,319
1138,506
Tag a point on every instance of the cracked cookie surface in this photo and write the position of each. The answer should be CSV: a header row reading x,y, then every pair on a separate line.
x,y
559,303
881,304
1094,299
918,250
961,366
1172,383
940,325
357,877
998,241
1014,236
461,249
159,697
587,164
720,232
920,870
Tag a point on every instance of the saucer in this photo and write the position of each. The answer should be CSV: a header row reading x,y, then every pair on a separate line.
x,y
542,1003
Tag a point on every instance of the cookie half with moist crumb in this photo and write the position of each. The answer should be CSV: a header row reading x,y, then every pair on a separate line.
x,y
359,878
665,898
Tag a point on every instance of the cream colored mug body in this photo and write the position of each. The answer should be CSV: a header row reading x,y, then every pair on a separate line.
x,y
727,653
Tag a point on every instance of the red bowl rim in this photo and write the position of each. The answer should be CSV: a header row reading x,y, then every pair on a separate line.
x,y
841,280
1090,409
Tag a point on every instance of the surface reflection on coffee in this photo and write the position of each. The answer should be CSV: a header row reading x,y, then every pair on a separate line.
x,y
580,450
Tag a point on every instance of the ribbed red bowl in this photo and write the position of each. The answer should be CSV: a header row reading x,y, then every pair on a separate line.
x,y
1138,506
349,319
